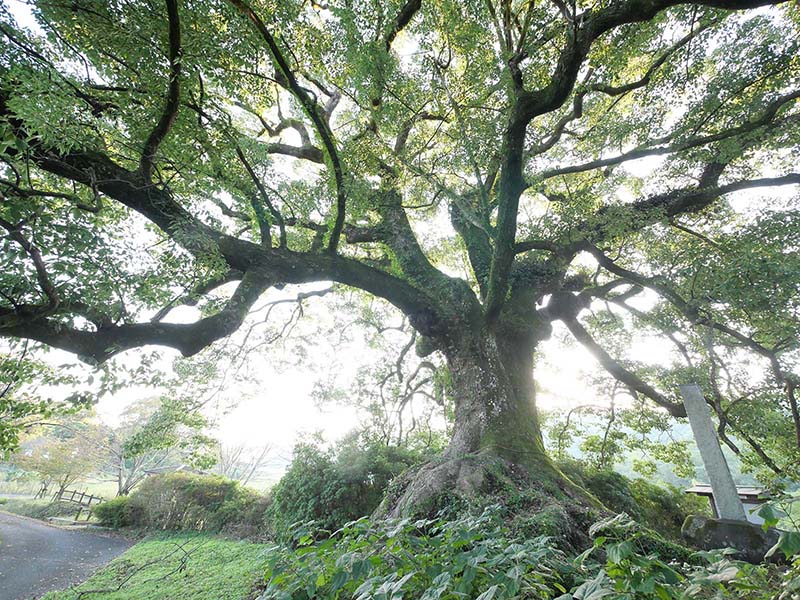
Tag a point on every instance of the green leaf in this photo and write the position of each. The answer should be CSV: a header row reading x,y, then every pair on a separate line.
x,y
788,543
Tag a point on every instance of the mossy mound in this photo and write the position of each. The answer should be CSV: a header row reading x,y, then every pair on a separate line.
x,y
544,502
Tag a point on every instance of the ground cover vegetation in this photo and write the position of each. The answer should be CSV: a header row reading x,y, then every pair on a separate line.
x,y
466,556
313,548
179,566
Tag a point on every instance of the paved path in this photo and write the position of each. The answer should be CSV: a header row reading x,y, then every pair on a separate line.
x,y
36,558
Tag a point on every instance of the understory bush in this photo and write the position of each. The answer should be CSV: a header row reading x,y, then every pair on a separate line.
x,y
333,487
185,502
114,513
330,487
477,557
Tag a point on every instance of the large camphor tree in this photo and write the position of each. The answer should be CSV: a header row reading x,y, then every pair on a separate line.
x,y
488,167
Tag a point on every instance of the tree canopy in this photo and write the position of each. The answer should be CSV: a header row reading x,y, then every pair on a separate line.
x,y
487,167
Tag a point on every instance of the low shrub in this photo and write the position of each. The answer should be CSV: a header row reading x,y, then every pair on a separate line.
x,y
333,487
661,508
665,508
186,502
114,513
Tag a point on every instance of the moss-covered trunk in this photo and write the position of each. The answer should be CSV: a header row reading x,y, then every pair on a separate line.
x,y
495,411
496,453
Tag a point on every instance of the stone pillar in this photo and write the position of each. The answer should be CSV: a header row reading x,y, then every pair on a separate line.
x,y
726,497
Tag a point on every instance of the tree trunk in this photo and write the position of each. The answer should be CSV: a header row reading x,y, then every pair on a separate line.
x,y
120,484
495,411
496,452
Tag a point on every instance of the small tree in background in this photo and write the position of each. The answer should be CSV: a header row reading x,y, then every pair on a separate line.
x,y
240,462
154,433
62,454
22,404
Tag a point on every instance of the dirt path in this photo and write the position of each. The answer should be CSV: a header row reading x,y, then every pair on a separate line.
x,y
36,558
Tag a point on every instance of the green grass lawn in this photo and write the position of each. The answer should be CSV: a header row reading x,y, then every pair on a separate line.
x,y
177,567
39,509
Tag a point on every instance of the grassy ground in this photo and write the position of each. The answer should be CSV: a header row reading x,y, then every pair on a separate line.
x,y
104,489
39,509
177,567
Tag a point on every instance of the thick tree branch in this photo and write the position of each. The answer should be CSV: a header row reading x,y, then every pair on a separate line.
x,y
159,206
309,152
173,96
619,372
566,307
45,283
527,245
403,18
662,208
477,243
100,345
580,33
263,223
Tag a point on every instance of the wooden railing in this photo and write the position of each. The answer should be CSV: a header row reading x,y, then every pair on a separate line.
x,y
82,499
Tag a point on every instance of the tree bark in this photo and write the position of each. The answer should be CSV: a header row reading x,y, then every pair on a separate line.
x,y
496,450
495,411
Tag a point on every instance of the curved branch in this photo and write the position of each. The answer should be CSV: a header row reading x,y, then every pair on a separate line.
x,y
612,90
765,120
158,206
694,316
403,18
109,340
45,283
173,97
315,113
263,224
619,372
662,208
309,152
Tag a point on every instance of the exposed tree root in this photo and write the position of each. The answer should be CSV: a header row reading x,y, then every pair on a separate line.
x,y
541,501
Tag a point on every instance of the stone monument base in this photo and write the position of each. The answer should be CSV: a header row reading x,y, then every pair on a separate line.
x,y
749,540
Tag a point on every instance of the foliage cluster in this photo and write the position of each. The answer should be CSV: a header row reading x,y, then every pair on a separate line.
x,y
477,557
182,501
471,557
332,487
21,406
780,512
606,435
